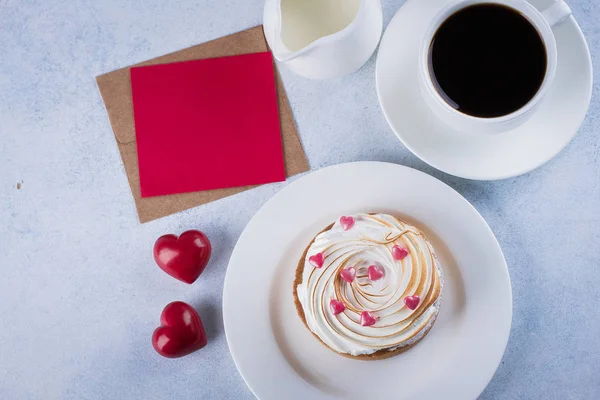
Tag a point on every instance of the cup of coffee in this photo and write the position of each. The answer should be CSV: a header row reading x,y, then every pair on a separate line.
x,y
486,65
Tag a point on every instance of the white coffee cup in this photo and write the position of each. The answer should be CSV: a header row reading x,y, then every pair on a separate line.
x,y
543,21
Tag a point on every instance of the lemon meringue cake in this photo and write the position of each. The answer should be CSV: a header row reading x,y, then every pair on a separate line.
x,y
369,286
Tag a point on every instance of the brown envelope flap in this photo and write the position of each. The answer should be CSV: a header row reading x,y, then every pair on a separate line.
x,y
115,87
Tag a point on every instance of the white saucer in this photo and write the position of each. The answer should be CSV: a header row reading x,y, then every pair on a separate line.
x,y
484,157
279,358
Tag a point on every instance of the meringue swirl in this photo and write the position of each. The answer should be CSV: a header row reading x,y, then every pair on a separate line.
x,y
369,243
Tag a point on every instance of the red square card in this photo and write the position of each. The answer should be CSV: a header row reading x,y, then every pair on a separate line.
x,y
207,124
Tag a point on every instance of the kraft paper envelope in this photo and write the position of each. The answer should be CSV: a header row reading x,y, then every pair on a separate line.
x,y
115,88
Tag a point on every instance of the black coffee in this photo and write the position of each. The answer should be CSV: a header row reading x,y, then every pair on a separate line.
x,y
487,60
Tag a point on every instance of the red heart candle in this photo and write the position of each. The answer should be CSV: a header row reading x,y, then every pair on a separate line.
x,y
183,257
181,331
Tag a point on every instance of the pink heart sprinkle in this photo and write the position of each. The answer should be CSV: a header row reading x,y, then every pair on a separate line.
x,y
348,274
399,253
366,319
336,306
412,302
375,272
316,260
347,223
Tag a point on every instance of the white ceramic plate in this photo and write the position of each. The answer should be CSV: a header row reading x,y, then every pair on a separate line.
x,y
473,156
279,358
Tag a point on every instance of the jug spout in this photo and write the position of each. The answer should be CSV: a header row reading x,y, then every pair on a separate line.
x,y
280,51
282,54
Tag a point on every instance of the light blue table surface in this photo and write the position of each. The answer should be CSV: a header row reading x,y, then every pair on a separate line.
x,y
79,292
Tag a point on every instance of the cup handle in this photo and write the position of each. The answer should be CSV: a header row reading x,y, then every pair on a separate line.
x,y
556,13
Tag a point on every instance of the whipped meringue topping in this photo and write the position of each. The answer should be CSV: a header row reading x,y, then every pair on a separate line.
x,y
370,242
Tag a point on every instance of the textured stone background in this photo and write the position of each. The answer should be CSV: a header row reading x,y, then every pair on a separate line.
x,y
79,293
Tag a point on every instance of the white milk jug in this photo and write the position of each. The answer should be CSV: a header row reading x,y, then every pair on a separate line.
x,y
323,39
